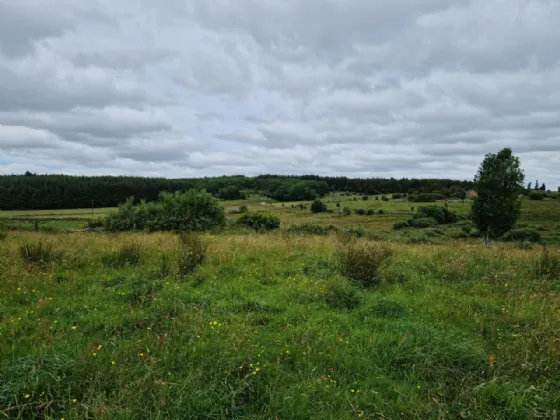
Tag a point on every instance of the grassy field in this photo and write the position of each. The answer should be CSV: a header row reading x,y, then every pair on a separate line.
x,y
271,326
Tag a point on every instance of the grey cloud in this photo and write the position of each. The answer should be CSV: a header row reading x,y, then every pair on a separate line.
x,y
353,87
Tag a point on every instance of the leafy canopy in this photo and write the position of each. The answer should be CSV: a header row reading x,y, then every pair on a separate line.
x,y
499,182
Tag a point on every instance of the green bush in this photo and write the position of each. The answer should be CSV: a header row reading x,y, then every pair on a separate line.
x,y
357,232
231,193
312,229
537,195
360,262
426,197
126,256
181,212
423,222
370,212
441,214
385,198
346,211
95,223
381,211
317,206
400,225
339,294
365,197
360,212
193,250
397,196
259,221
522,235
547,267
243,209
38,254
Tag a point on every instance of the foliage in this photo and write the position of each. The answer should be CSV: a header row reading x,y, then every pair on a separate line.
x,y
259,221
441,214
381,211
397,196
547,266
38,253
360,262
370,212
317,206
422,222
426,197
385,198
522,235
365,197
400,225
243,209
230,193
537,195
361,212
180,212
312,229
347,211
193,249
127,255
339,294
499,182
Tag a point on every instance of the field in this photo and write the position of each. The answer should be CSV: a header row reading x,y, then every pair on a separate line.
x,y
269,326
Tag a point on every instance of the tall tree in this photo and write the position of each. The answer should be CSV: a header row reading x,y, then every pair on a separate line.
x,y
537,185
529,185
499,182
543,187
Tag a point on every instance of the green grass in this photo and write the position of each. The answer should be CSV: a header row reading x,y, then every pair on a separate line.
x,y
268,327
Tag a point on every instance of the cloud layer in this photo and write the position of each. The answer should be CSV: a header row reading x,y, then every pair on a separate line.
x,y
346,87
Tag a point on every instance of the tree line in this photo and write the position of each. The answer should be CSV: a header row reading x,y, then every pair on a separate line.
x,y
33,192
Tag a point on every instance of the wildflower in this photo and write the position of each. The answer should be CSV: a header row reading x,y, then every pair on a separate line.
x,y
257,369
26,395
141,354
74,327
99,347
113,362
353,390
74,400
94,354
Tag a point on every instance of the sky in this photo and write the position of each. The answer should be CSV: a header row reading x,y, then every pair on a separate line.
x,y
357,88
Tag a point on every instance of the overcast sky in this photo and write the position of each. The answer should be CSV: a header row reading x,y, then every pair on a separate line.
x,y
182,88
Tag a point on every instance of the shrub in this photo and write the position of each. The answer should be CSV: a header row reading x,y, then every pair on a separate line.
x,y
318,206
3,235
312,229
182,212
381,211
243,209
360,262
522,235
426,197
37,254
537,195
365,197
360,212
397,196
95,223
385,198
339,294
356,232
547,267
259,221
441,214
231,193
346,211
193,249
126,256
423,222
337,205
377,198
370,212
400,225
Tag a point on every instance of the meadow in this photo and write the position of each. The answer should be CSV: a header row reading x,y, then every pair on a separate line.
x,y
111,326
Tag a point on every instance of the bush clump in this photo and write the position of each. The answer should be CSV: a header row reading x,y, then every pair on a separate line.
x,y
181,212
360,262
370,212
339,294
360,212
193,249
365,197
312,229
37,254
441,214
397,196
317,206
537,195
259,221
423,222
126,256
522,235
547,267
400,225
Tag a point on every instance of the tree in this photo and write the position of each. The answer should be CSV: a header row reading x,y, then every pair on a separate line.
x,y
529,185
318,206
543,187
537,185
497,206
230,193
